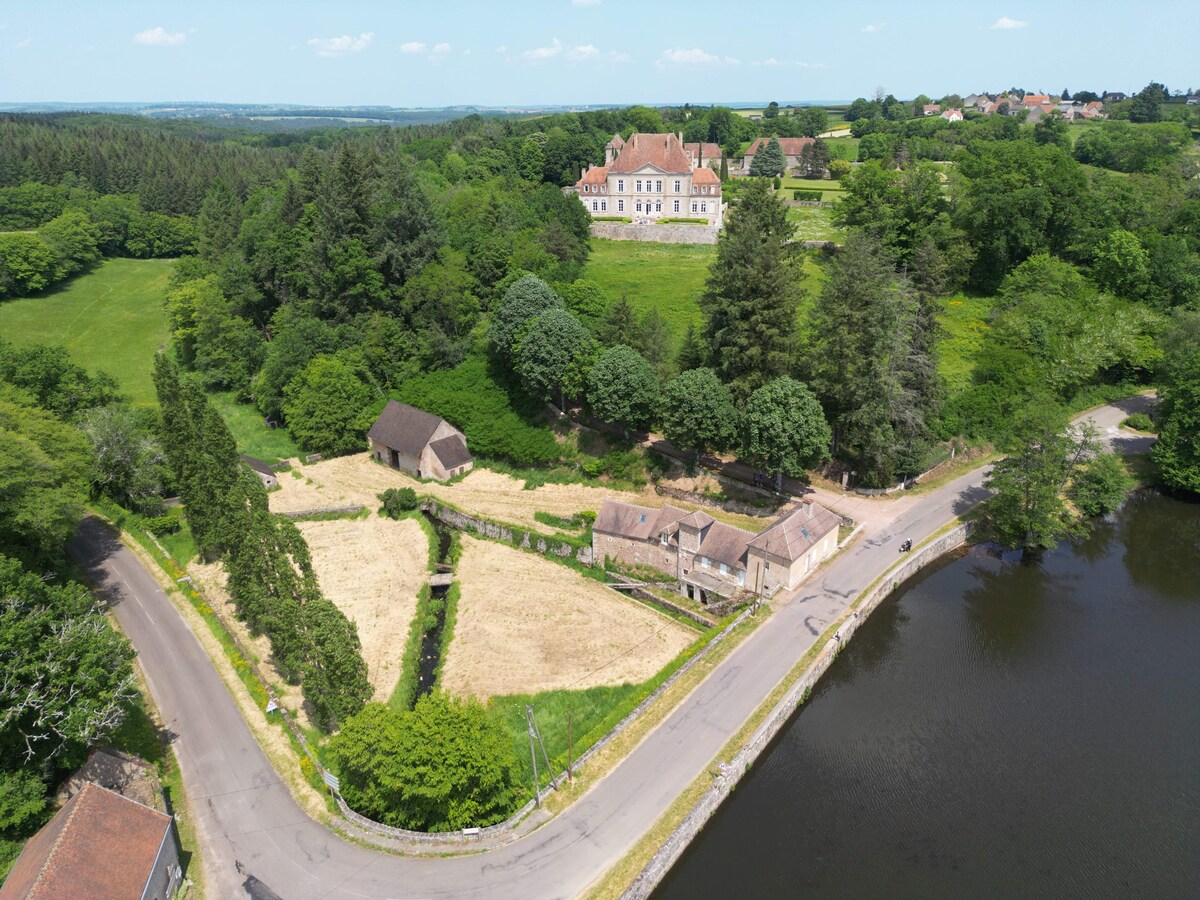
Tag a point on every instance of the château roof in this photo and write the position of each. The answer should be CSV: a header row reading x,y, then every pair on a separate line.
x,y
663,151
705,175
594,175
711,150
617,141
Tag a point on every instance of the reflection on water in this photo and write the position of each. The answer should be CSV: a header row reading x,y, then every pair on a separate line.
x,y
1000,729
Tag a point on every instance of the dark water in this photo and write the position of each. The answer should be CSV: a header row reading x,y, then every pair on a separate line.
x,y
431,640
998,730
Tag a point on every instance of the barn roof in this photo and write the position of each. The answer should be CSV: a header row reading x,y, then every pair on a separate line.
x,y
792,536
451,451
256,464
404,428
99,845
790,146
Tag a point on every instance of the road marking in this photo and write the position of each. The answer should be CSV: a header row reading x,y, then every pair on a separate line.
x,y
133,593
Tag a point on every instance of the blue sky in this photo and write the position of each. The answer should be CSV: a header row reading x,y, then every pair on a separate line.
x,y
405,53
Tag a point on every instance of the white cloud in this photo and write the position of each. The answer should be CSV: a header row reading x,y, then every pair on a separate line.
x,y
441,49
772,62
412,47
582,52
1004,23
24,43
695,56
586,2
539,53
159,37
874,27
340,46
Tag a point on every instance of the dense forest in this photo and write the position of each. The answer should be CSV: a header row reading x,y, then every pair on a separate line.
x,y
320,273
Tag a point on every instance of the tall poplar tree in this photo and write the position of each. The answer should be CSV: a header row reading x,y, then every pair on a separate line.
x,y
751,294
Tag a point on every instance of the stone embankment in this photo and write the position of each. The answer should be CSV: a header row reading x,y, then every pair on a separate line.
x,y
661,234
731,772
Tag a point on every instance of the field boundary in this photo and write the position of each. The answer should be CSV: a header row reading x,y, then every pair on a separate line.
x,y
729,774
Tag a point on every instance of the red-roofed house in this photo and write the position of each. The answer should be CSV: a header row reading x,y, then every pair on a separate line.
x,y
101,846
931,109
953,115
792,148
651,176
1031,100
708,557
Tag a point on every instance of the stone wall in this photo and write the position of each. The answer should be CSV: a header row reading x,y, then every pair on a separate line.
x,y
635,553
729,774
661,234
525,540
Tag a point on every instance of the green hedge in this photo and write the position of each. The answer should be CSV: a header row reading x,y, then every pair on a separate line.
x,y
807,195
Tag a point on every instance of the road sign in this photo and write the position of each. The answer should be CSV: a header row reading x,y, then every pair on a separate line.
x,y
332,781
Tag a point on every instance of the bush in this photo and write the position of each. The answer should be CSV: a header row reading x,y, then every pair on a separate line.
x,y
1140,422
778,183
807,195
160,525
397,501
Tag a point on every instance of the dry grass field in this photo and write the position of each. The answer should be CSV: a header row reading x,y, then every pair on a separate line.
x,y
372,569
526,625
359,479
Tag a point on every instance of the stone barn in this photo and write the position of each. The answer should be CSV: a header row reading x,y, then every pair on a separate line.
x,y
264,472
418,443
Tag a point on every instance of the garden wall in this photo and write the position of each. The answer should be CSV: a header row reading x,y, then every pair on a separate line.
x,y
661,234
525,540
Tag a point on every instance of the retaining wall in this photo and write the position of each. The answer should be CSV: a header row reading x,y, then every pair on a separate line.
x,y
661,234
732,772
525,540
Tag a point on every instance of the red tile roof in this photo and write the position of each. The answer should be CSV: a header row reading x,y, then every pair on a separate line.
x,y
1035,99
792,536
100,845
931,108
711,150
663,151
791,146
617,141
705,175
594,175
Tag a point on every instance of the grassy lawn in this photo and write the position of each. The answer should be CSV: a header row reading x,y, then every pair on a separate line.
x,y
849,142
669,277
814,223
111,319
253,437
812,184
964,321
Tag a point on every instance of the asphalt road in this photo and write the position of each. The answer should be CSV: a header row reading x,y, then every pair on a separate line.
x,y
259,843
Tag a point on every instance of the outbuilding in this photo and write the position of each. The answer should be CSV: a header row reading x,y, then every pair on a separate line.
x,y
423,445
264,472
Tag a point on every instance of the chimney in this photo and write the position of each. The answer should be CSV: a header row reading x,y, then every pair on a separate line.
x,y
808,508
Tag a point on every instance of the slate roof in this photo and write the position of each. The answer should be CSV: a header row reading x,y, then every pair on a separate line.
x,y
697,519
99,845
639,523
451,451
725,544
404,428
790,146
663,151
791,537
257,465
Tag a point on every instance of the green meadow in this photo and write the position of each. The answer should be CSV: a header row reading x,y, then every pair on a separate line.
x,y
110,319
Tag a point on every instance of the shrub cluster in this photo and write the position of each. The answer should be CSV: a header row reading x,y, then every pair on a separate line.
x,y
397,501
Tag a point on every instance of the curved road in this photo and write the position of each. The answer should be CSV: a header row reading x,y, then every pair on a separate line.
x,y
259,843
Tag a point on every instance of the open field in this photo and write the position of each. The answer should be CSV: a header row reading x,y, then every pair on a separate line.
x,y
526,625
371,569
110,319
814,223
359,479
964,323
253,437
667,277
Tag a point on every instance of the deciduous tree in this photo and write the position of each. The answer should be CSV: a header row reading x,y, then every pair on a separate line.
x,y
623,388
784,429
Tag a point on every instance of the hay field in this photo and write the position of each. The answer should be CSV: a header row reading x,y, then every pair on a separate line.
x,y
371,569
359,479
526,625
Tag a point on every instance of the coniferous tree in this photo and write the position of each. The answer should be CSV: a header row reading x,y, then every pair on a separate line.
x,y
620,325
693,354
769,160
751,294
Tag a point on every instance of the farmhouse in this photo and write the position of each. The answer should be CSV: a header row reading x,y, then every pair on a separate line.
x,y
264,472
953,115
652,176
418,443
931,109
99,845
708,557
792,148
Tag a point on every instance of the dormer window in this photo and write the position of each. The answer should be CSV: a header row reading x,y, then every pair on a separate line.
x,y
664,538
704,562
642,518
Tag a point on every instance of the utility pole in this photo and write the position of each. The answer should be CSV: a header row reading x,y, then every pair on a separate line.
x,y
570,754
537,797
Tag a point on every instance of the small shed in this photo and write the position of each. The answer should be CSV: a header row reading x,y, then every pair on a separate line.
x,y
416,442
264,472
102,846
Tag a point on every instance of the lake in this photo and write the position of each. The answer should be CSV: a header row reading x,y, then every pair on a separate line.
x,y
999,728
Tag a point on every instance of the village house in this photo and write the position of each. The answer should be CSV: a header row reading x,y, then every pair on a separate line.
x,y
264,472
418,443
100,845
792,148
931,109
652,176
709,558
953,115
